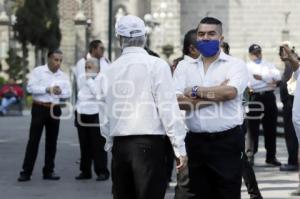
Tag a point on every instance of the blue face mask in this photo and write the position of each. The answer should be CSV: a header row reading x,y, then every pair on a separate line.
x,y
208,48
257,61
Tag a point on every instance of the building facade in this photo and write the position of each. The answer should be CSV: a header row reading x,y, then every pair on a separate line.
x,y
267,23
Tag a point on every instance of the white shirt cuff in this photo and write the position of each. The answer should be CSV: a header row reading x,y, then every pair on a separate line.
x,y
179,151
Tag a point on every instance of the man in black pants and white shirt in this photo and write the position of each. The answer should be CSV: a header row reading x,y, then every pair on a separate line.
x,y
87,123
211,92
263,79
47,84
141,109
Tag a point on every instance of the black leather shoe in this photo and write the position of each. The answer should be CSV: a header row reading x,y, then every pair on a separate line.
x,y
288,167
273,162
51,176
24,178
296,193
102,177
83,176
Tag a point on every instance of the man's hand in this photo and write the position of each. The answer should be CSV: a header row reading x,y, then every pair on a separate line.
x,y
188,90
181,162
257,77
288,54
54,90
273,84
188,93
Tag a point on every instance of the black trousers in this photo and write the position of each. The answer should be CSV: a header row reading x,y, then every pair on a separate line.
x,y
268,119
170,157
138,167
182,187
215,164
289,130
248,173
91,144
41,117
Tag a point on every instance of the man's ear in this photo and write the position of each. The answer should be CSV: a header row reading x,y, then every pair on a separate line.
x,y
221,39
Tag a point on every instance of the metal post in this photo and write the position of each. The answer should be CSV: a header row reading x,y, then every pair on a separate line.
x,y
110,31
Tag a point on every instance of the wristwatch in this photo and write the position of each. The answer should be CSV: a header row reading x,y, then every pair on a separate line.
x,y
194,91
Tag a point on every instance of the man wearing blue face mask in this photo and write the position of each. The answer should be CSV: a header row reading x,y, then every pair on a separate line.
x,y
263,79
214,141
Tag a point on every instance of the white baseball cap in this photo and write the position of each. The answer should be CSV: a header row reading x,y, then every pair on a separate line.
x,y
130,26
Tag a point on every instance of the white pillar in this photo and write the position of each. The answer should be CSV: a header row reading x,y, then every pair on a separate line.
x,y
80,35
4,36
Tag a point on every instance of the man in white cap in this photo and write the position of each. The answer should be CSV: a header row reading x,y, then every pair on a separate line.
x,y
263,80
141,109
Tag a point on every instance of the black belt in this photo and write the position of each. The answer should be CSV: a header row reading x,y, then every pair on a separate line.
x,y
44,104
262,92
125,137
215,135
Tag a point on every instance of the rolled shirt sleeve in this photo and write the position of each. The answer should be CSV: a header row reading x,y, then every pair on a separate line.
x,y
271,74
179,78
238,77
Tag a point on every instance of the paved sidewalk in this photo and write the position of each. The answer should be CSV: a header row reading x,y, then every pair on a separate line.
x,y
13,137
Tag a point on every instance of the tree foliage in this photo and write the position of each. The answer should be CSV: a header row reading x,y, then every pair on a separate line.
x,y
38,23
14,61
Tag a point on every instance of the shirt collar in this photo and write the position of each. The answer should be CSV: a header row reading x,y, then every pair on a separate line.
x,y
133,50
46,69
190,59
222,57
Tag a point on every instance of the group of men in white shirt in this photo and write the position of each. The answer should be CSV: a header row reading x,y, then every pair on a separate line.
x,y
137,105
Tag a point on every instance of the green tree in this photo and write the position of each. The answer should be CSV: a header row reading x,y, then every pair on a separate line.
x,y
38,24
14,61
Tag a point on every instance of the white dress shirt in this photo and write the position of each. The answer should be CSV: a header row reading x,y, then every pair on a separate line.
x,y
139,97
80,69
41,78
219,116
267,71
87,102
296,106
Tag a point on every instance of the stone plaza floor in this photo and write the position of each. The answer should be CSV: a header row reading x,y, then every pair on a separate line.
x,y
13,137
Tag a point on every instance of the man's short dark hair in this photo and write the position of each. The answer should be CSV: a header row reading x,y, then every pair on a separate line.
x,y
56,51
190,38
212,21
94,44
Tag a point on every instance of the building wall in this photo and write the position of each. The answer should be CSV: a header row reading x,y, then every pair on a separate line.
x,y
262,22
168,30
67,11
192,11
246,22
